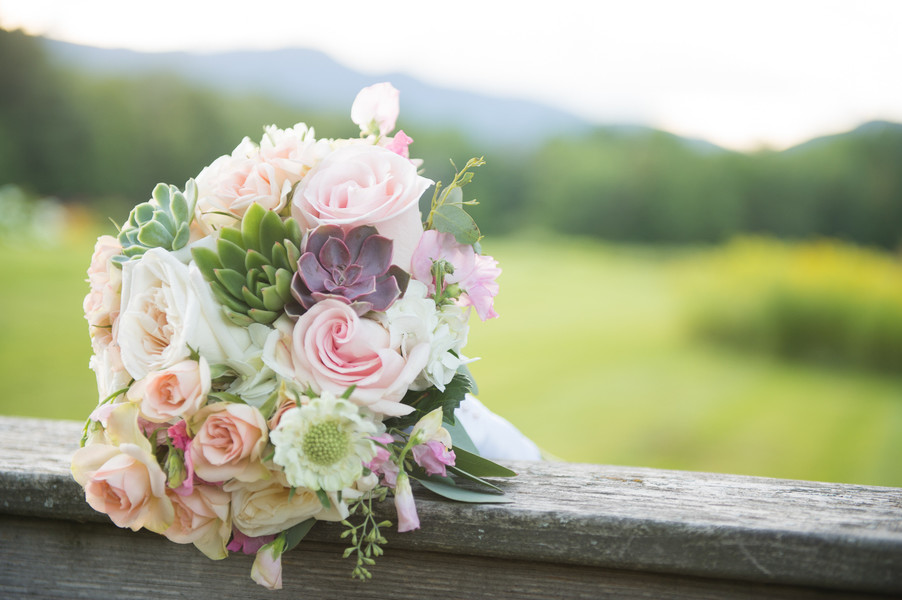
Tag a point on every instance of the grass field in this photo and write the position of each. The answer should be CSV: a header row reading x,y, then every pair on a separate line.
x,y
590,357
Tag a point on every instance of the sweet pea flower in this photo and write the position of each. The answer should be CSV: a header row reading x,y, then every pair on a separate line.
x,y
405,505
267,569
376,109
474,273
399,144
434,457
247,544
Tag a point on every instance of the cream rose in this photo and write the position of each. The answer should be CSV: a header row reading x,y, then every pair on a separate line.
x,y
202,518
229,442
173,393
101,305
231,184
167,307
365,185
267,507
331,348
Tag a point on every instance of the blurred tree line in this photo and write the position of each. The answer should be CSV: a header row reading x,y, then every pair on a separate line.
x,y
106,141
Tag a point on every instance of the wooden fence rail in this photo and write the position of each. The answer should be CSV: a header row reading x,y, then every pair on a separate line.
x,y
572,531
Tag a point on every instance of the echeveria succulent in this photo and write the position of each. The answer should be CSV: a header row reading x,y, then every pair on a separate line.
x,y
353,267
161,222
250,270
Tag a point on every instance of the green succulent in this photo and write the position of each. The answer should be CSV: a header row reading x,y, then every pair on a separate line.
x,y
161,222
251,269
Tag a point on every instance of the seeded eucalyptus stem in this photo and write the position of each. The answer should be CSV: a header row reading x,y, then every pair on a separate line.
x,y
366,539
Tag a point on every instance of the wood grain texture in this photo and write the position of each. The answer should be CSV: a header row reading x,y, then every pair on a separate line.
x,y
604,522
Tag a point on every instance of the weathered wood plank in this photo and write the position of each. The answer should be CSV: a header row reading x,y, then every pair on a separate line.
x,y
695,525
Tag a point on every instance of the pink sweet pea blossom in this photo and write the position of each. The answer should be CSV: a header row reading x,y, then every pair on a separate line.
x,y
434,457
376,108
399,144
267,569
247,544
404,504
474,273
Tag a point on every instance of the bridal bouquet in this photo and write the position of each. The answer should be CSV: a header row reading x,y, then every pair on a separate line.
x,y
280,342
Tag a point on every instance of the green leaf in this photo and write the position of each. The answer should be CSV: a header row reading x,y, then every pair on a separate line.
x,y
479,466
250,227
262,316
452,492
428,400
207,261
231,280
271,298
252,300
297,533
324,499
451,218
226,397
231,254
181,236
271,231
254,260
460,439
474,478
154,235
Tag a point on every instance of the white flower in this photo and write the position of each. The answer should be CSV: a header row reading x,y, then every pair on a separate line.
x,y
322,445
167,307
414,319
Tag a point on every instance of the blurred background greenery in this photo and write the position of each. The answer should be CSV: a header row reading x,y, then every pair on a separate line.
x,y
664,302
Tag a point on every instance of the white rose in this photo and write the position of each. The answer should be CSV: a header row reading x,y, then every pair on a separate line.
x,y
414,320
167,307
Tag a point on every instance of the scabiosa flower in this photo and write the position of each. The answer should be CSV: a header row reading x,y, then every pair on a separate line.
x,y
353,267
324,444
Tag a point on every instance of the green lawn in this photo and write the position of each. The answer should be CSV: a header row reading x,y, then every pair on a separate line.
x,y
589,357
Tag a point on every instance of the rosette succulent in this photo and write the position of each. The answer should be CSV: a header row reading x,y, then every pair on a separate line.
x,y
162,222
353,267
251,269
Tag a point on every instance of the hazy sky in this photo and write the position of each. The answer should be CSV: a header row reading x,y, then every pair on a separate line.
x,y
738,73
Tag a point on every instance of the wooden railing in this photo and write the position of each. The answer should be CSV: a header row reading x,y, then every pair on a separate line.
x,y
572,531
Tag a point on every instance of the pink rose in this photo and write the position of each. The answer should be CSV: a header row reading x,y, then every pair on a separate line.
x,y
365,185
474,273
202,519
173,393
331,348
229,442
376,109
101,305
126,483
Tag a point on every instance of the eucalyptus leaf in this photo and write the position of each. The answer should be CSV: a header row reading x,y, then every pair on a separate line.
x,y
452,492
297,533
451,218
479,466
460,439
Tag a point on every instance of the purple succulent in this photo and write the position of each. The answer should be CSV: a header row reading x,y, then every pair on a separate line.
x,y
354,267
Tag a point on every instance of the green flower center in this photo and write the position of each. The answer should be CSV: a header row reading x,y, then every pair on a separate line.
x,y
325,444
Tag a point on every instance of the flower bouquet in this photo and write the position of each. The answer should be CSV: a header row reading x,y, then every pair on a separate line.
x,y
280,342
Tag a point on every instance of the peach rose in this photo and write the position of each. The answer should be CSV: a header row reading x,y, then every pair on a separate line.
x,y
365,185
173,393
331,348
202,519
101,305
120,474
229,442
